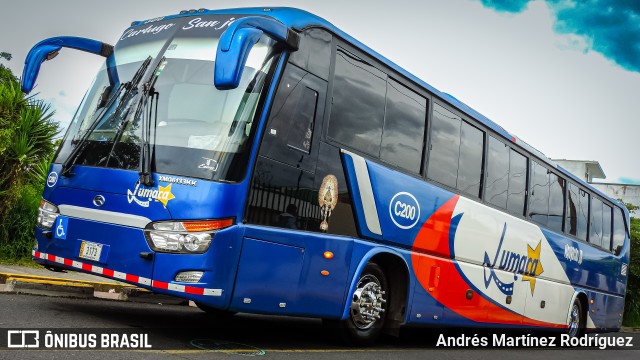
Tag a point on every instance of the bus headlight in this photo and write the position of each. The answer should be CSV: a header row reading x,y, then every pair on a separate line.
x,y
47,214
185,237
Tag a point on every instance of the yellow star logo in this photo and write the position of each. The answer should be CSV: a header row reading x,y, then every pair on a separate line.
x,y
534,266
164,194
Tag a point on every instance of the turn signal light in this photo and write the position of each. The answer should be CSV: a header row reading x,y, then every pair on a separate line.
x,y
207,225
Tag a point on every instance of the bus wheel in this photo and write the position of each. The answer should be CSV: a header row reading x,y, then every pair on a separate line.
x,y
215,311
368,307
576,319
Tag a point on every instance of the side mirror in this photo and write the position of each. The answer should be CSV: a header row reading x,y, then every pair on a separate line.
x,y
236,43
49,48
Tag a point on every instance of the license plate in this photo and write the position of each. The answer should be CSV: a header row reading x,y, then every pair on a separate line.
x,y
91,251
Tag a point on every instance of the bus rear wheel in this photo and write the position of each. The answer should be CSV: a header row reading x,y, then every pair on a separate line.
x,y
576,319
367,310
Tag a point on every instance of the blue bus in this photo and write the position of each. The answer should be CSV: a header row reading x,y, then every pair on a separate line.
x,y
261,160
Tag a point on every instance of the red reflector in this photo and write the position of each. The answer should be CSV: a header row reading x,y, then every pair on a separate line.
x,y
207,225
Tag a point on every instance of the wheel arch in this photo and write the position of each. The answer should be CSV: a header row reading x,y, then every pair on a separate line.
x,y
581,296
396,269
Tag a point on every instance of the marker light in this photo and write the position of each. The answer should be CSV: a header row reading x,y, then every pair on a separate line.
x,y
183,236
328,255
47,214
207,225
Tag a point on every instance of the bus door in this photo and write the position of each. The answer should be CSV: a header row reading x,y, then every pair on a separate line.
x,y
282,213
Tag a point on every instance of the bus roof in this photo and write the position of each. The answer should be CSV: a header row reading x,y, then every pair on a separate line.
x,y
300,19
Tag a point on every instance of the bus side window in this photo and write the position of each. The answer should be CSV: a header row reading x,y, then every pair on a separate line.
x,y
517,194
404,123
595,222
606,227
557,186
577,211
470,164
314,53
497,173
301,133
456,151
444,150
619,231
294,117
539,200
357,111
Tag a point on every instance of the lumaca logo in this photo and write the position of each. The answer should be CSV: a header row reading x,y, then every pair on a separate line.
x,y
143,196
529,266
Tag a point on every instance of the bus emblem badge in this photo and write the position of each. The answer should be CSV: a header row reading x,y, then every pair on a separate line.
x,y
143,196
52,179
99,200
404,210
327,199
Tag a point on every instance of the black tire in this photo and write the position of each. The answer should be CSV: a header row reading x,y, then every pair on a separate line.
x,y
577,319
215,312
357,330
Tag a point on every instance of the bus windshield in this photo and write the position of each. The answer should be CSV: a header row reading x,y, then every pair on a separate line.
x,y
194,129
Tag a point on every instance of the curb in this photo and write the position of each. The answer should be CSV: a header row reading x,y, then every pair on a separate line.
x,y
84,289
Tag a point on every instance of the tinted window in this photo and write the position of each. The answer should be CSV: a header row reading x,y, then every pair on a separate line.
x,y
404,124
556,202
497,173
301,131
445,146
357,113
517,183
619,231
606,227
470,164
539,200
577,212
595,222
314,52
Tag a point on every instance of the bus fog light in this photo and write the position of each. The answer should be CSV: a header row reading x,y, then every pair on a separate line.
x,y
188,276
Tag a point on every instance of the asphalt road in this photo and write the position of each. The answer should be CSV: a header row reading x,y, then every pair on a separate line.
x,y
188,333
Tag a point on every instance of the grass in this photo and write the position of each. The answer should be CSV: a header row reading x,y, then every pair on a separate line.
x,y
26,262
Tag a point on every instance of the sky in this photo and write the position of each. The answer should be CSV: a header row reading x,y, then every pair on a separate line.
x,y
562,75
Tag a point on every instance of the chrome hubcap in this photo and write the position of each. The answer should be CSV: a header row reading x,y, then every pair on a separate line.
x,y
574,321
368,302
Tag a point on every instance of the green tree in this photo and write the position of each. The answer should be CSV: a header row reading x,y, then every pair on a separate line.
x,y
27,134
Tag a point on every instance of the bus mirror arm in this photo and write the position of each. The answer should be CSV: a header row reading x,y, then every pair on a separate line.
x,y
49,48
236,43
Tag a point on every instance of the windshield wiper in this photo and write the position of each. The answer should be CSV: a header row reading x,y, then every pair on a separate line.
x,y
146,155
129,88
